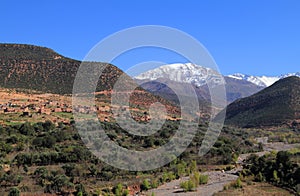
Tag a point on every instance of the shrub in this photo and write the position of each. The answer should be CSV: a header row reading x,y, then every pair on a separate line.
x,y
154,183
238,183
259,177
14,192
145,185
203,179
188,186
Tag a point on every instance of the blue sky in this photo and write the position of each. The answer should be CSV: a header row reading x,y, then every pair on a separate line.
x,y
258,37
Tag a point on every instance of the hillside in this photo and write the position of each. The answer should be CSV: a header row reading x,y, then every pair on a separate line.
x,y
42,69
275,105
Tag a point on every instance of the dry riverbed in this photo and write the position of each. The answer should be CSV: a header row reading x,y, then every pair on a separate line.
x,y
217,179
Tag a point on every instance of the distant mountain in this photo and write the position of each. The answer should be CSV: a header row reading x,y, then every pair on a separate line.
x,y
196,75
263,81
274,105
183,73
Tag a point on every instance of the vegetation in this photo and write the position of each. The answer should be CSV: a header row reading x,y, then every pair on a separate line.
x,y
195,180
280,169
42,156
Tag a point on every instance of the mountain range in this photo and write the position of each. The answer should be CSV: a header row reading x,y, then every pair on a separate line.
x,y
263,81
237,85
199,75
254,101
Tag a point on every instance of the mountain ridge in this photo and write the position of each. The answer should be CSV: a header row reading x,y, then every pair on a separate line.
x,y
196,74
41,69
263,81
275,105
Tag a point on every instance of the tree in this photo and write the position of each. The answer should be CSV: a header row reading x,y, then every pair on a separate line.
x,y
196,178
188,185
238,183
181,169
125,192
193,166
58,184
80,190
259,177
203,179
118,190
14,192
145,186
25,168
26,129
154,183
48,125
275,177
69,168
184,186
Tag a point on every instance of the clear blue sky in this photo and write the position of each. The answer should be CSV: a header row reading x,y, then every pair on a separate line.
x,y
258,37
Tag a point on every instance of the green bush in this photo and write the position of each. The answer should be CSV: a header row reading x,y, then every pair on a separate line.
x,y
14,192
203,179
188,186
238,183
145,186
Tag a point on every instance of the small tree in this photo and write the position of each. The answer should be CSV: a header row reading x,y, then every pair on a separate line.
x,y
145,185
118,190
181,170
259,177
203,179
125,192
154,183
184,186
238,183
14,192
188,185
195,178
193,167
275,177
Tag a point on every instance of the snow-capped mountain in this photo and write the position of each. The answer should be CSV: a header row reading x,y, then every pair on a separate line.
x,y
183,72
198,75
263,81
157,80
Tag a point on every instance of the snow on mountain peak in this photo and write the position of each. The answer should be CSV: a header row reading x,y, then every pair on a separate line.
x,y
181,72
198,75
263,81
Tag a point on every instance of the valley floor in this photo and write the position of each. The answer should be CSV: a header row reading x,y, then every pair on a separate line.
x,y
218,179
216,182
